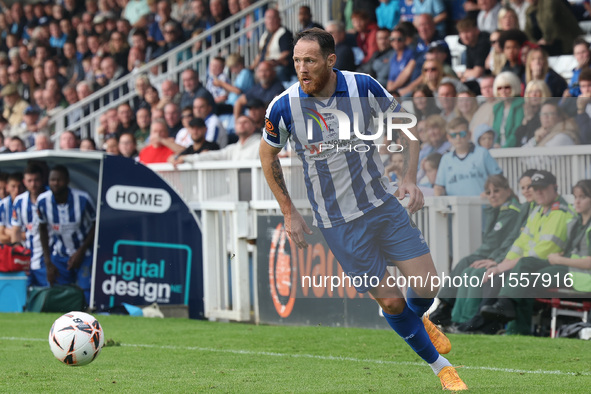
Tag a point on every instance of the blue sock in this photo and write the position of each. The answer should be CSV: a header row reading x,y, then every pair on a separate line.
x,y
417,304
411,329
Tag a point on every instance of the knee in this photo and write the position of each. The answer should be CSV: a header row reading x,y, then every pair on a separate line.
x,y
392,306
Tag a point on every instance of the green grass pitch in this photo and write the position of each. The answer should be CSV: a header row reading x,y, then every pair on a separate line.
x,y
187,356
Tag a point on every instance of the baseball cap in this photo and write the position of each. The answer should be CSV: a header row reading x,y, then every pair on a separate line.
x,y
8,90
26,67
542,178
255,103
197,122
43,21
100,18
32,109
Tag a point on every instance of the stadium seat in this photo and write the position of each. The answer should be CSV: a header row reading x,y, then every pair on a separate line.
x,y
563,65
585,26
455,48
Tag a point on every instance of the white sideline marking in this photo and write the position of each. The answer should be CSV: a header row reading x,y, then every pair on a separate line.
x,y
327,358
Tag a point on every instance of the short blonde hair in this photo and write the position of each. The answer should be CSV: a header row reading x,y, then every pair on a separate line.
x,y
507,78
435,121
234,59
537,84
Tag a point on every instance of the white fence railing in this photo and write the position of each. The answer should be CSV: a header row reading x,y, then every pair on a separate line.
x,y
230,195
568,163
235,193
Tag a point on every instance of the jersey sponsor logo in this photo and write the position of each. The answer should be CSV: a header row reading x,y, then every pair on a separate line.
x,y
269,128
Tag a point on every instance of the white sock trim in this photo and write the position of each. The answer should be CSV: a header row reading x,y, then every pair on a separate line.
x,y
439,364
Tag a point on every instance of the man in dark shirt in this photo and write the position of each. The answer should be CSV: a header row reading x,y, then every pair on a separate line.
x,y
379,64
305,19
193,89
345,57
266,89
172,117
477,48
197,129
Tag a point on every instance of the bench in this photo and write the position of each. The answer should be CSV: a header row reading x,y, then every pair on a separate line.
x,y
566,302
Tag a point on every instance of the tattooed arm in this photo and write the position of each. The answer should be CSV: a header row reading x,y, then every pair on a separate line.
x,y
294,222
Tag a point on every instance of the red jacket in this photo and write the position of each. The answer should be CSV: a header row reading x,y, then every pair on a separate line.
x,y
367,41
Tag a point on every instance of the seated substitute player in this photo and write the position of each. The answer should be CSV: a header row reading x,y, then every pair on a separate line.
x,y
25,220
14,185
353,203
68,216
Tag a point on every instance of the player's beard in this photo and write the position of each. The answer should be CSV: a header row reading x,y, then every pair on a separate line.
x,y
316,82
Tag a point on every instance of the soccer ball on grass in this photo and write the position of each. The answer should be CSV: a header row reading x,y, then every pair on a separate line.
x,y
76,338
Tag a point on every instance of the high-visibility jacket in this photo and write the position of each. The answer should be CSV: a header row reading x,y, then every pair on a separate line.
x,y
544,233
501,221
526,208
578,246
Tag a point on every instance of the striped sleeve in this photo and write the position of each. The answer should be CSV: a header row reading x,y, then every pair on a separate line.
x,y
278,121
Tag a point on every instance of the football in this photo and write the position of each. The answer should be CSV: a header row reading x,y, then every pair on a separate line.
x,y
76,338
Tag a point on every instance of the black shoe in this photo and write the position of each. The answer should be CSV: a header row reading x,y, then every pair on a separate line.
x,y
503,310
442,314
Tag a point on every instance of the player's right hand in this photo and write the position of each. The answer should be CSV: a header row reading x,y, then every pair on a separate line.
x,y
295,226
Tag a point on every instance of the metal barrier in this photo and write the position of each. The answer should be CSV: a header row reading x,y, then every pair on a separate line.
x,y
234,193
228,221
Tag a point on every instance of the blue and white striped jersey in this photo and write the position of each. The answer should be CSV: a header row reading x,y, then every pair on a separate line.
x,y
6,205
344,177
25,217
69,223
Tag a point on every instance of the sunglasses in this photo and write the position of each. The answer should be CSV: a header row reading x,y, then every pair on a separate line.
x,y
462,134
503,87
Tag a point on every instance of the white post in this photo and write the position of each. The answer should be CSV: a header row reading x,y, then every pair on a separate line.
x,y
466,226
239,263
438,234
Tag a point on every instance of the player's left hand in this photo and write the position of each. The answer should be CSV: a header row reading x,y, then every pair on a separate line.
x,y
415,195
75,260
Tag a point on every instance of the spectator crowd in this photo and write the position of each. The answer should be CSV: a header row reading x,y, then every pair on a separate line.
x,y
55,53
